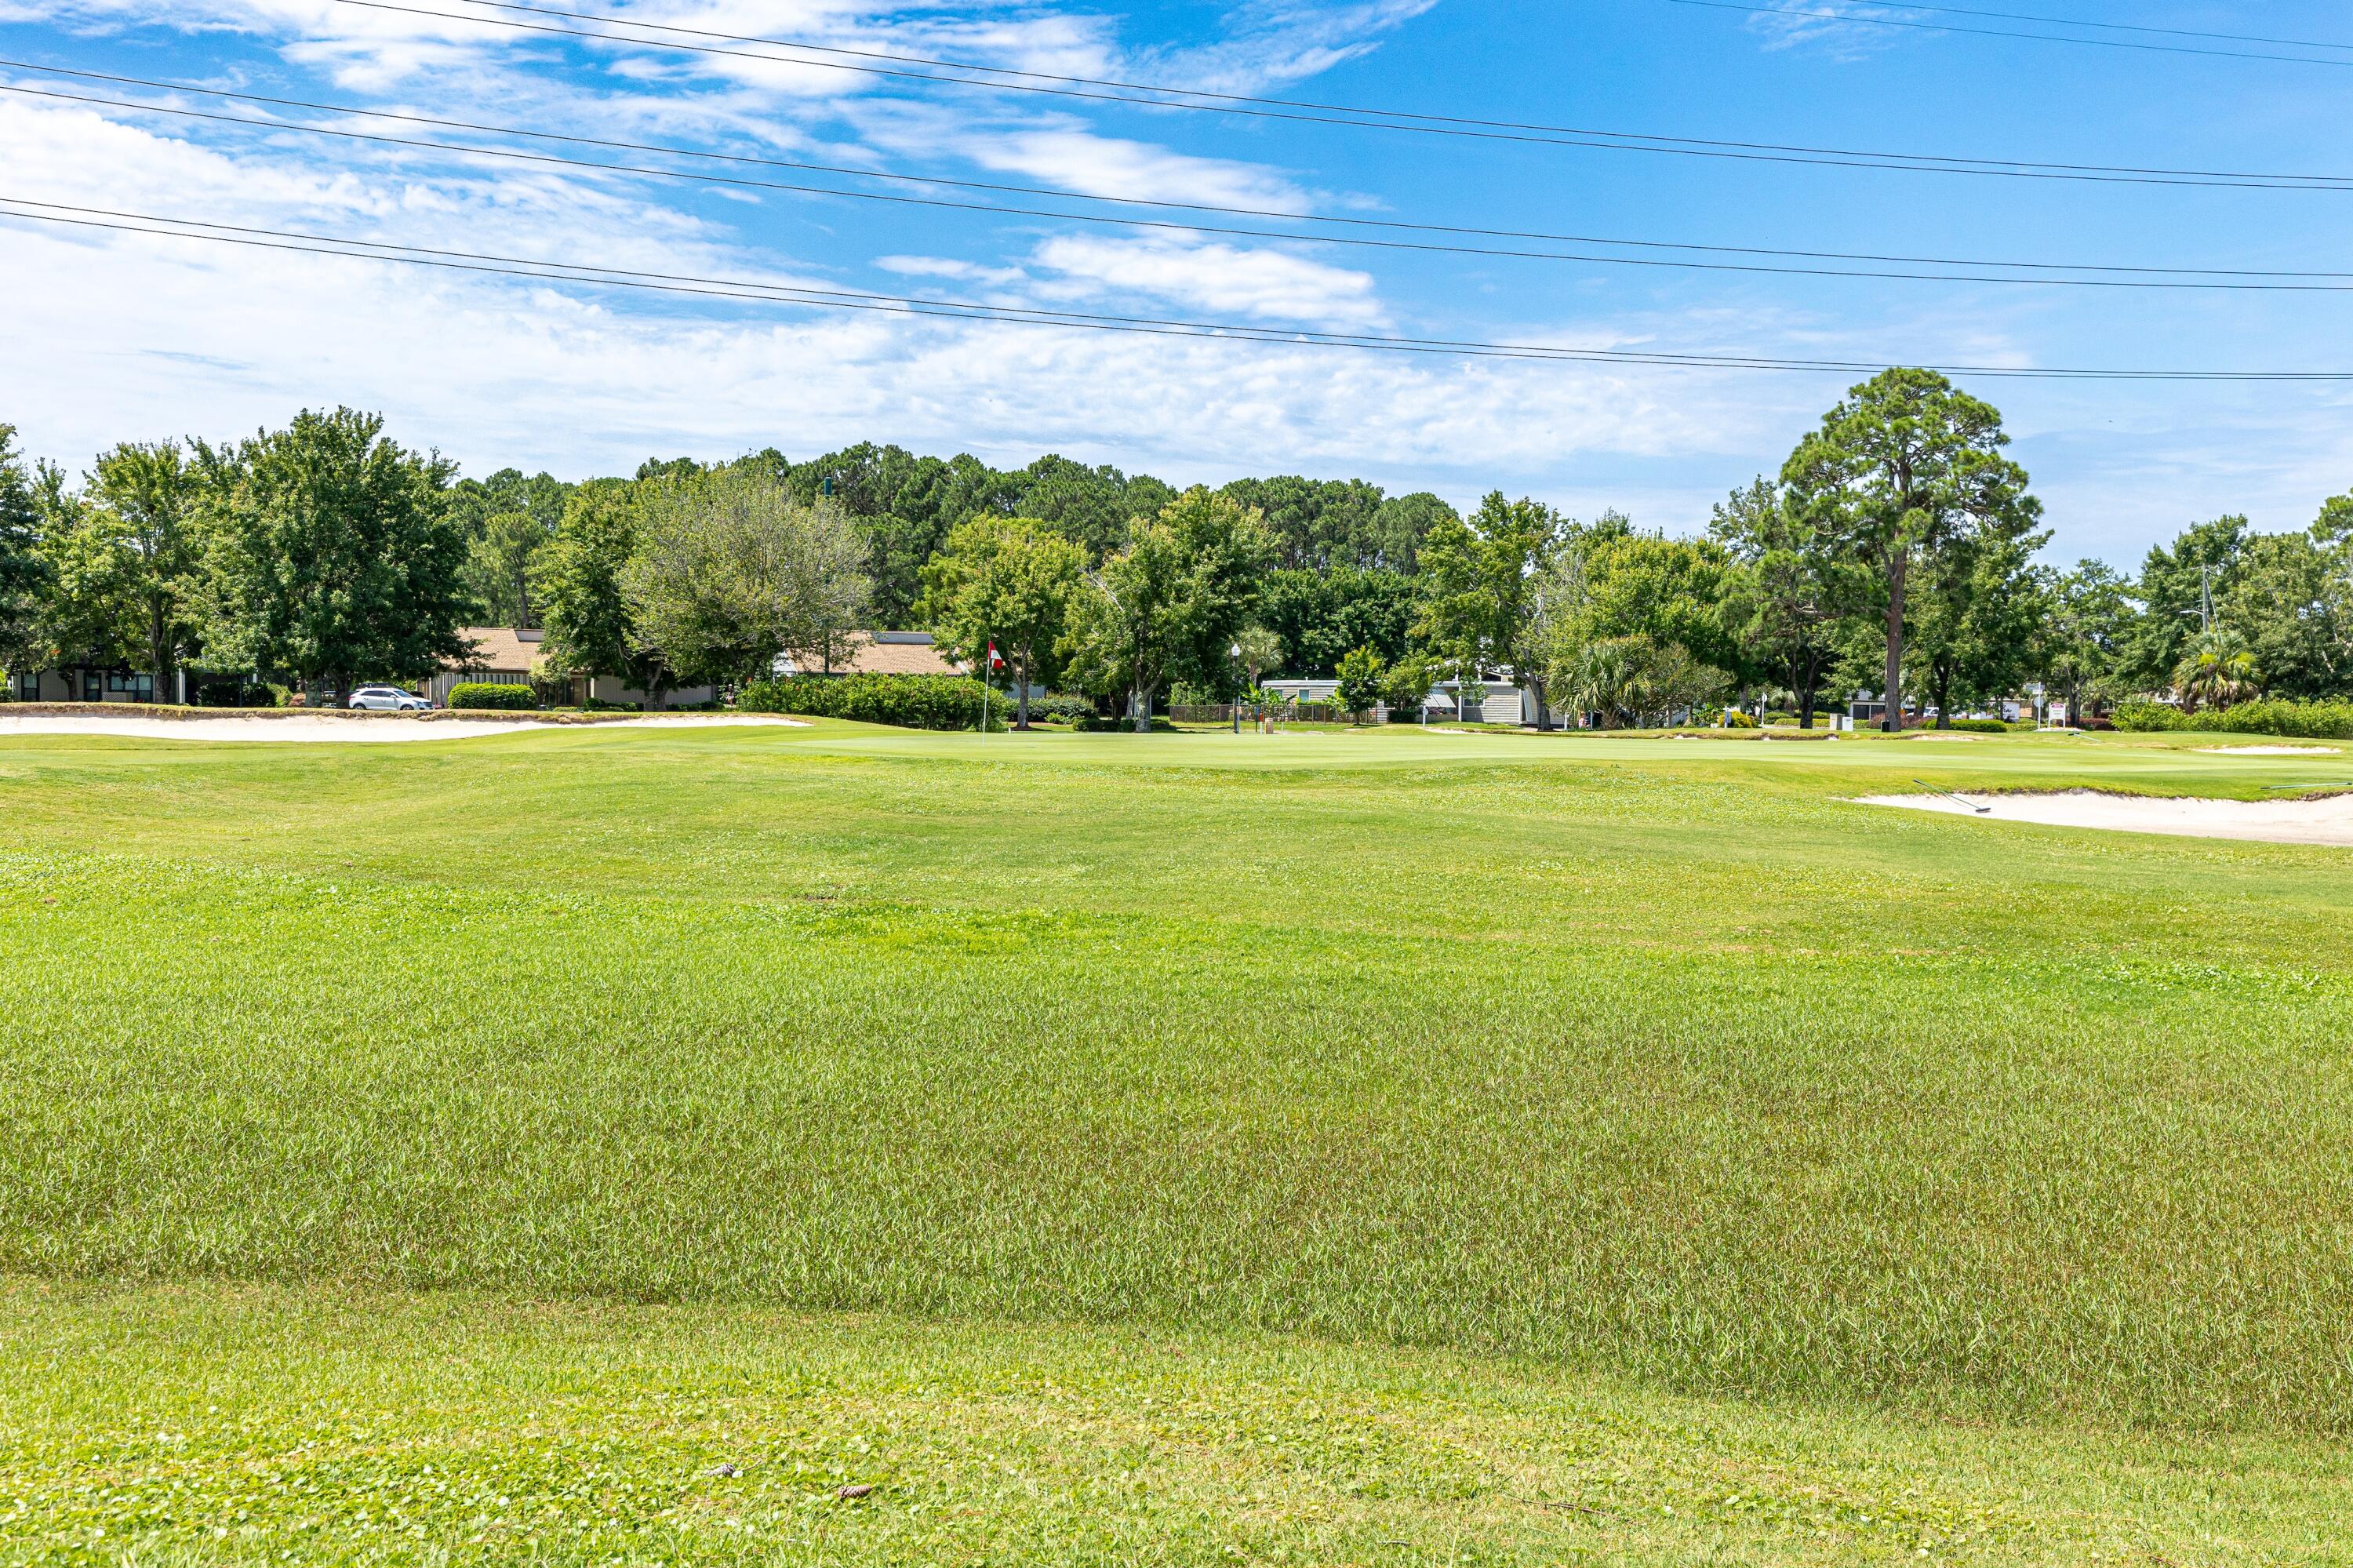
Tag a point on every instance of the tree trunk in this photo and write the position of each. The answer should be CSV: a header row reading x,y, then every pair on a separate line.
x,y
1896,563
1022,692
1544,709
1940,686
159,652
1139,709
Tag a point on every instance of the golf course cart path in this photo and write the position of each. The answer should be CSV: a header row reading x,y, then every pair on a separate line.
x,y
2326,821
336,727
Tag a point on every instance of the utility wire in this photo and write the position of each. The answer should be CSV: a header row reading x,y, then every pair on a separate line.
x,y
2010,33
1371,119
2115,27
28,209
1390,224
2200,279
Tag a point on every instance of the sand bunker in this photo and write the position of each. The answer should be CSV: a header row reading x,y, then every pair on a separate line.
x,y
2274,750
335,727
2327,820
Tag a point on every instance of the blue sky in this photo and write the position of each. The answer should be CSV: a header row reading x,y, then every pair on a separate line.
x,y
109,337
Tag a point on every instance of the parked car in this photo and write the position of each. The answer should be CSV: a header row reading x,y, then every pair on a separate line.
x,y
386,697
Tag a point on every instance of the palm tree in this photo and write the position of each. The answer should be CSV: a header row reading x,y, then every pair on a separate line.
x,y
2218,671
1602,677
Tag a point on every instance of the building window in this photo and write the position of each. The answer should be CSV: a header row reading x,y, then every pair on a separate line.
x,y
138,688
28,686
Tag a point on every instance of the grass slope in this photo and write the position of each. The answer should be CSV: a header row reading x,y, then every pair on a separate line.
x,y
1654,1062
250,1424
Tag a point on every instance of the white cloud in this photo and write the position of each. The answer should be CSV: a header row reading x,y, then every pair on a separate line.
x,y
171,335
1837,28
946,267
62,155
1274,42
1080,159
1265,285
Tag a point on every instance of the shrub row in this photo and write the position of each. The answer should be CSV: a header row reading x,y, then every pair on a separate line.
x,y
2269,716
488,695
1980,726
1055,708
237,694
911,702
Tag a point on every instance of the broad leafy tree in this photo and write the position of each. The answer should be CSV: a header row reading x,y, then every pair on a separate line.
x,y
88,606
1171,604
1904,471
146,499
1406,687
2089,614
1127,622
1481,579
1361,679
730,572
1319,616
329,555
1787,596
1608,581
2180,584
22,571
590,630
1979,608
1007,582
2290,601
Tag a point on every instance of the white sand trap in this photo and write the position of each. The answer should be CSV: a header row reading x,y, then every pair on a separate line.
x,y
335,729
2274,750
2327,820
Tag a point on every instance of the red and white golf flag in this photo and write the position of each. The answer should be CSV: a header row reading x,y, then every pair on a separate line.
x,y
996,660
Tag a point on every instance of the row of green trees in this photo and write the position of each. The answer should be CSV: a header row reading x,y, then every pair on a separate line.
x,y
324,551
1894,552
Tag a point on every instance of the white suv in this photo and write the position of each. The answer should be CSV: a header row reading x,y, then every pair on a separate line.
x,y
390,697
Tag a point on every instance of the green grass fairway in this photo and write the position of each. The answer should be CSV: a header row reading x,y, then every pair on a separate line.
x,y
1519,1136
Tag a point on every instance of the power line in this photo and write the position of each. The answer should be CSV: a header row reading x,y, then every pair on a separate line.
x,y
1391,225
2117,26
752,290
1370,118
2204,279
2010,33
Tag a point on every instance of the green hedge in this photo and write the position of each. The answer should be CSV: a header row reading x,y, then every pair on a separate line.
x,y
486,695
1055,708
1980,726
911,702
2269,716
237,694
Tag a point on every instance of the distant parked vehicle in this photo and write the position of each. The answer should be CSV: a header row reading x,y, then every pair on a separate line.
x,y
386,697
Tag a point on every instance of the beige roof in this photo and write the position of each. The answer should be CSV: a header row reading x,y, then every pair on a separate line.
x,y
885,653
502,649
